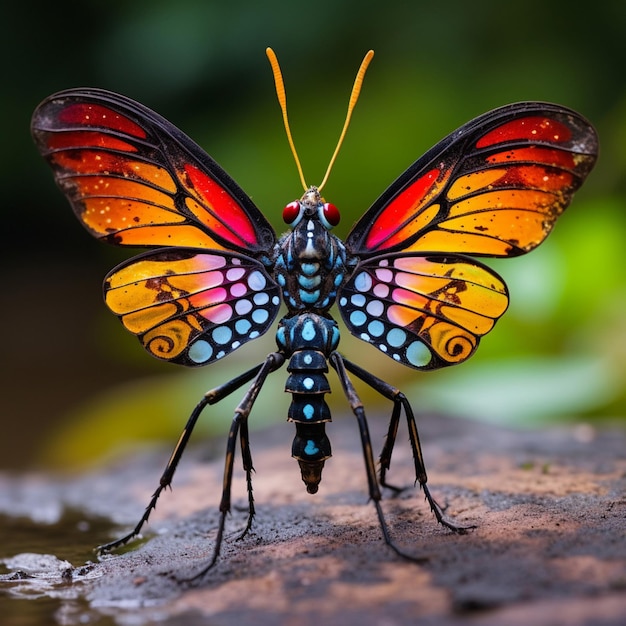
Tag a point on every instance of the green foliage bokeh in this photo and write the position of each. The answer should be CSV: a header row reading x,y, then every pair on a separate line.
x,y
202,65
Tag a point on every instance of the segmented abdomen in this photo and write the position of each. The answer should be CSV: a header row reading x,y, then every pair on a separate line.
x,y
309,339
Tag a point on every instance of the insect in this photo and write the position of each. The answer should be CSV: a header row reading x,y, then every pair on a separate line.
x,y
404,280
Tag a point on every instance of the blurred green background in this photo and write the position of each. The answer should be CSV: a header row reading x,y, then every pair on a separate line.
x,y
75,385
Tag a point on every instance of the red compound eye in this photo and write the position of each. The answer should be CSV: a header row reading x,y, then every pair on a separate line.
x,y
291,212
331,213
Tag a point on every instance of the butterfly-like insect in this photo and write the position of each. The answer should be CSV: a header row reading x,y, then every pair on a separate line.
x,y
404,279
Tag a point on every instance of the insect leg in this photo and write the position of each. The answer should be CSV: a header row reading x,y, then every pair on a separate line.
x,y
400,401
271,363
337,362
248,468
211,397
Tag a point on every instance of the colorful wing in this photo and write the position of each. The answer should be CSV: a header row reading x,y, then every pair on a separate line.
x,y
423,311
190,306
494,187
134,179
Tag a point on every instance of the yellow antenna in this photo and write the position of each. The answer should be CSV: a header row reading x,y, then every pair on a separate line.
x,y
282,100
354,96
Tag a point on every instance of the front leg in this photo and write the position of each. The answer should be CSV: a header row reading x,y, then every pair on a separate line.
x,y
239,425
400,402
337,361
210,397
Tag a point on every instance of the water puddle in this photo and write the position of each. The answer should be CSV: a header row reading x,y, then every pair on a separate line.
x,y
44,569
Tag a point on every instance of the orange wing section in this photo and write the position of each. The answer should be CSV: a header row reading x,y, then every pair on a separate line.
x,y
495,187
424,311
135,179
192,307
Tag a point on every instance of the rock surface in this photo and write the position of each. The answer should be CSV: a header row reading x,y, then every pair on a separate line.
x,y
549,545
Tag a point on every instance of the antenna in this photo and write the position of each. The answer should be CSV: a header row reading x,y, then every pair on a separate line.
x,y
354,96
282,100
